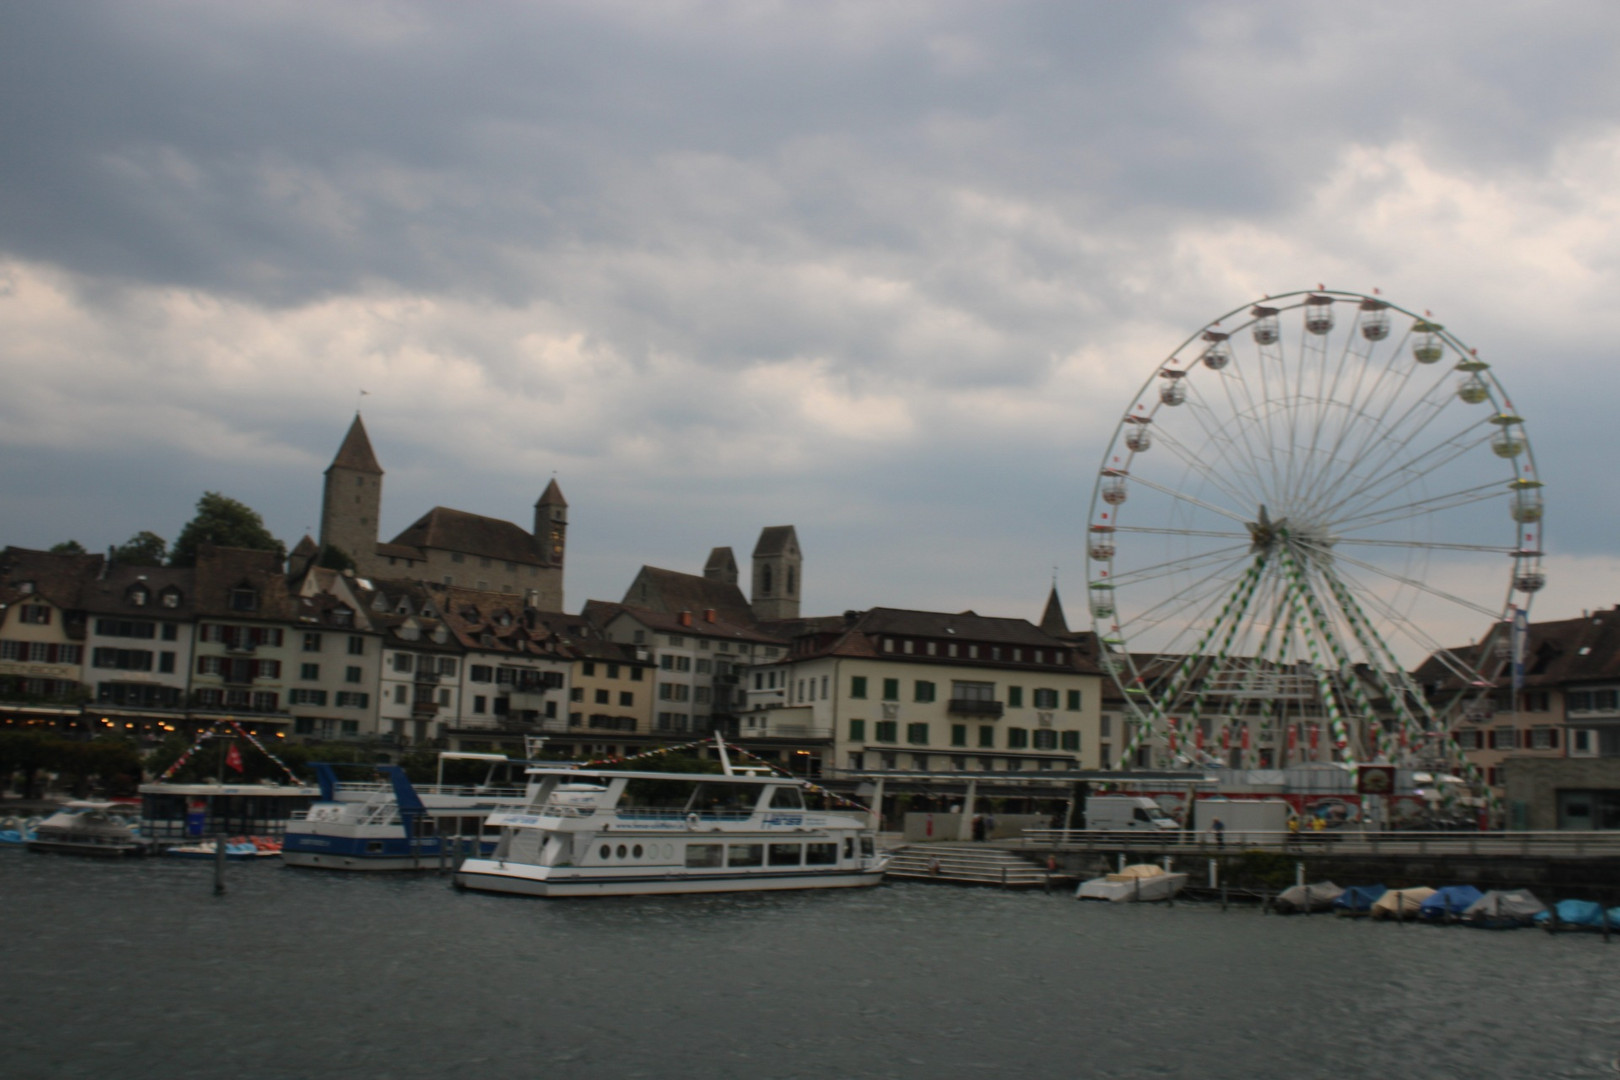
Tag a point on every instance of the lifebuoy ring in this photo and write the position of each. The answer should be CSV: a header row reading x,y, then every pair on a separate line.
x,y
692,821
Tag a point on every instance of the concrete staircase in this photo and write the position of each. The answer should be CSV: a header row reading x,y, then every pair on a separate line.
x,y
967,864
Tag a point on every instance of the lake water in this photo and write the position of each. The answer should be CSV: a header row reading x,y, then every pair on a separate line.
x,y
126,970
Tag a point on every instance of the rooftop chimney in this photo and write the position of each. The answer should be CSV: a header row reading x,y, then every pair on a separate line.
x,y
686,618
708,614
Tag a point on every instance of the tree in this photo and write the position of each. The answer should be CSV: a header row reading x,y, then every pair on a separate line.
x,y
142,549
334,558
226,522
68,547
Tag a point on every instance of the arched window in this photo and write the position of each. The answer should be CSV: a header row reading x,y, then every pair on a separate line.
x,y
790,581
765,579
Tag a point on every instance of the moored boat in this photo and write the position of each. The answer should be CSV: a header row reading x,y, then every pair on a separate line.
x,y
1303,899
1141,882
608,832
238,849
1503,910
82,827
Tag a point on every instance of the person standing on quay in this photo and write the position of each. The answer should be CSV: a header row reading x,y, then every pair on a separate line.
x,y
1218,827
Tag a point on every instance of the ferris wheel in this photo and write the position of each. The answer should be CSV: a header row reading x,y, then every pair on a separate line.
x,y
1313,497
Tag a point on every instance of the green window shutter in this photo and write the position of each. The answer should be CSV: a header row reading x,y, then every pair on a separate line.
x,y
1074,701
857,686
1015,697
857,731
917,734
891,689
886,730
1046,698
958,734
923,691
987,736
1017,738
1071,739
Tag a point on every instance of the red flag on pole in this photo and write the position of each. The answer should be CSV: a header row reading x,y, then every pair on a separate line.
x,y
233,758
1245,736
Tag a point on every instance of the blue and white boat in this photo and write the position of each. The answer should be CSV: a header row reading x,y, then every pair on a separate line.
x,y
607,832
391,824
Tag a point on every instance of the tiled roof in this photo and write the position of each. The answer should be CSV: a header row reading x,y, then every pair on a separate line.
x,y
774,539
722,566
1557,651
222,570
456,530
57,578
401,551
670,591
1052,620
601,612
863,634
114,594
356,453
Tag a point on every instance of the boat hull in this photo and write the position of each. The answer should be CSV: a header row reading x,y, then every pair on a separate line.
x,y
485,875
1144,890
125,850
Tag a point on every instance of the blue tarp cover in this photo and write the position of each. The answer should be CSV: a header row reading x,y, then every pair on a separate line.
x,y
1359,898
1575,913
1451,900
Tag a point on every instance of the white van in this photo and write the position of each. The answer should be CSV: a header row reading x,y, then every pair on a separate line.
x,y
1107,813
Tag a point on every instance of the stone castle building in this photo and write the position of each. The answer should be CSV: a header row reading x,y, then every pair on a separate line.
x,y
449,547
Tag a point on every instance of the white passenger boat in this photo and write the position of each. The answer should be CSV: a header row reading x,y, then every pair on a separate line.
x,y
388,823
1141,882
81,827
615,833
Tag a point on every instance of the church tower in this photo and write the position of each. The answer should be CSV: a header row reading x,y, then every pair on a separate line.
x,y
551,543
777,565
352,501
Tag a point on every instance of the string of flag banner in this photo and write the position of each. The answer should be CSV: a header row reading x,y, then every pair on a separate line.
x,y
813,788
233,758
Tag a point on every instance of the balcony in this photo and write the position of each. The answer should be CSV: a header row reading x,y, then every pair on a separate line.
x,y
424,710
427,677
992,710
527,701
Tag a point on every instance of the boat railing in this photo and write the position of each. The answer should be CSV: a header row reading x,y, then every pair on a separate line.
x,y
1566,843
469,791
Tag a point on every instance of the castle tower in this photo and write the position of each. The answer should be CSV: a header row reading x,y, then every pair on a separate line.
x,y
352,500
777,565
551,543
721,567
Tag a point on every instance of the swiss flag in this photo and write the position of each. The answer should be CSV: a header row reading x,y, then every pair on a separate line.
x,y
233,758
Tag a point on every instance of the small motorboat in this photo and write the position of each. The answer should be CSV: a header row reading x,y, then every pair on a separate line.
x,y
16,832
80,827
1401,903
1306,898
1142,882
1503,910
1449,903
1574,915
237,848
1358,900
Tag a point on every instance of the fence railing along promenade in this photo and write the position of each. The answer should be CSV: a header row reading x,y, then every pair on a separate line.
x,y
1561,843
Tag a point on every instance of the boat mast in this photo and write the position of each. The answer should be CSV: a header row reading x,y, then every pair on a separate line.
x,y
725,760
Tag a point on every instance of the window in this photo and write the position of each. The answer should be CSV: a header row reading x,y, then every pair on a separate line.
x,y
351,674
1045,698
1468,740
1071,741
357,645
303,696
785,854
601,697
122,659
975,691
37,614
312,643
885,731
987,737
891,689
1073,703
481,673
745,854
447,666
244,599
917,734
350,699
1045,739
1015,697
857,731
706,855
480,703
166,663
576,694
1543,738
399,695
705,666
923,691
171,632
613,671
635,674
675,641
171,598
626,699
309,671
404,661
1504,738
821,854
126,628
457,557
857,686
588,667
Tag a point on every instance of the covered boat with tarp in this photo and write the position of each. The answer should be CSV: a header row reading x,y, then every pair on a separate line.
x,y
1573,915
1306,898
1401,903
1501,909
1358,899
1448,903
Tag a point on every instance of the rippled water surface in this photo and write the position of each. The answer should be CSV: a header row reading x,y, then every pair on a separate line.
x,y
137,970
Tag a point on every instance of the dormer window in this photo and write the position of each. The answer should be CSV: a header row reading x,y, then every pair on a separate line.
x,y
170,597
25,587
138,596
342,616
37,614
429,612
244,599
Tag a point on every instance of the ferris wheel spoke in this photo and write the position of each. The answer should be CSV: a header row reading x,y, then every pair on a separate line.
x,y
1386,515
1367,418
1184,564
1424,545
1190,500
1445,655
1251,422
1189,458
1388,482
1406,580
1357,348
1184,602
1386,440
1146,530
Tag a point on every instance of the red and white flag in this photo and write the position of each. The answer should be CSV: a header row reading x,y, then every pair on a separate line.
x,y
233,758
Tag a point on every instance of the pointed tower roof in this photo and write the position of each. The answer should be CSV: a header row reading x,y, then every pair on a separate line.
x,y
356,453
774,540
552,496
1052,620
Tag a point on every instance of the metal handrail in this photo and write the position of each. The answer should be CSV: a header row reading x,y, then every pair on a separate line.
x,y
1564,842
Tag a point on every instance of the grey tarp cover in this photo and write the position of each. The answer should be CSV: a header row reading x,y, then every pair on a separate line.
x,y
1499,904
1320,897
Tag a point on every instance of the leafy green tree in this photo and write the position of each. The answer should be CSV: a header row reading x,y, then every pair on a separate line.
x,y
26,753
68,547
334,558
142,549
226,522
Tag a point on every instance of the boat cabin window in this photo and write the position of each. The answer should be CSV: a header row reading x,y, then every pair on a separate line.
x,y
723,799
745,855
787,854
702,855
787,798
866,846
820,854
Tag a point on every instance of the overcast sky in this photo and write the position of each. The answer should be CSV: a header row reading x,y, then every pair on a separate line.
x,y
889,272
